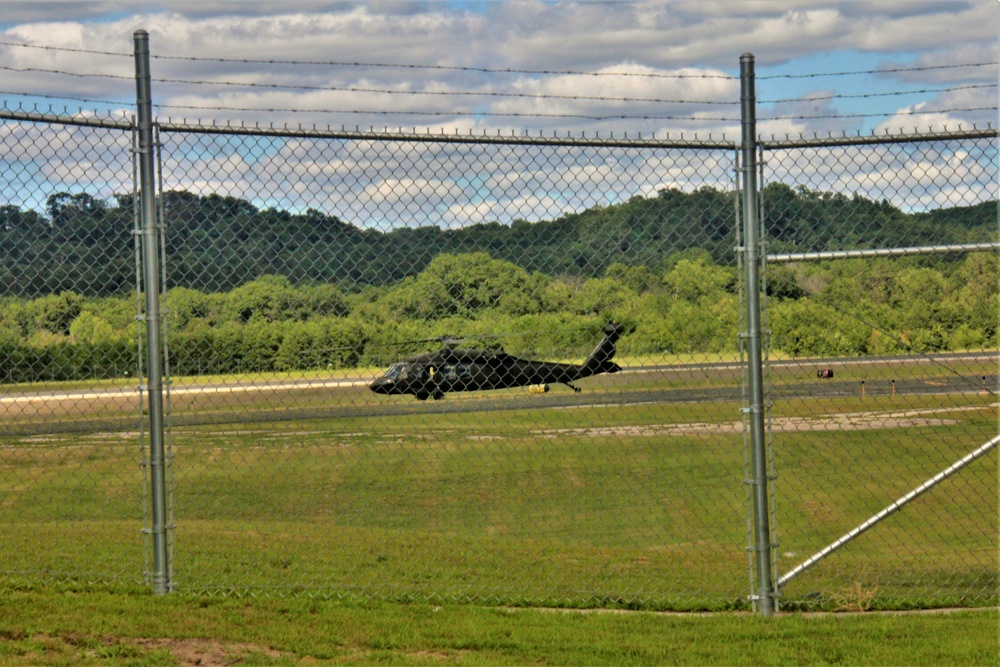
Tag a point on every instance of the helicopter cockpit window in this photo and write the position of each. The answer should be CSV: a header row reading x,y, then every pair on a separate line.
x,y
398,372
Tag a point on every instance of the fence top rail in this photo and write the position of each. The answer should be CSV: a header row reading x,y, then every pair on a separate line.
x,y
884,252
773,143
52,117
495,136
429,136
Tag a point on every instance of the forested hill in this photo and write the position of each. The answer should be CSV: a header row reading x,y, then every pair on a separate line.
x,y
216,243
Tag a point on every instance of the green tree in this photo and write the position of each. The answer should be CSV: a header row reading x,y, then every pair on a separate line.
x,y
55,313
463,285
185,305
91,329
18,226
976,286
806,328
266,299
637,278
319,344
324,300
782,283
605,297
924,310
695,279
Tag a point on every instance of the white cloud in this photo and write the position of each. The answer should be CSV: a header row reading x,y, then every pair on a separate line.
x,y
911,119
645,38
677,53
973,21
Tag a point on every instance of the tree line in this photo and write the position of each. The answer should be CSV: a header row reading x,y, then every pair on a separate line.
x,y
216,243
690,304
268,290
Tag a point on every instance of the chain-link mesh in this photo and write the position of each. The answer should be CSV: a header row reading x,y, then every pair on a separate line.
x,y
883,370
305,270
71,485
302,268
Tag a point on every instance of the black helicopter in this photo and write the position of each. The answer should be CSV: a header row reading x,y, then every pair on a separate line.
x,y
432,374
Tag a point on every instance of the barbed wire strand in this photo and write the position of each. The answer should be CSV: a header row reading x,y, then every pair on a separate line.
x,y
453,68
891,70
490,70
485,114
470,93
578,116
66,49
358,64
357,89
899,93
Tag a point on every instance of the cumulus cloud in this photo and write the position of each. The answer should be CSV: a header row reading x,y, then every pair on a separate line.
x,y
650,38
638,67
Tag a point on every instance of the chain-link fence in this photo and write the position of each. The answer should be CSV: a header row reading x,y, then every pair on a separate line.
x,y
884,277
301,266
333,258
72,482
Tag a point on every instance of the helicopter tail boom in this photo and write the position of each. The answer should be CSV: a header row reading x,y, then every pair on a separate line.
x,y
599,360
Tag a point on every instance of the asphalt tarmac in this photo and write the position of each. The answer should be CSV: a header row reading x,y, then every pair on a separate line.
x,y
667,384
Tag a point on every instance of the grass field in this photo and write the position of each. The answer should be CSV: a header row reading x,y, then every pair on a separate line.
x,y
89,628
630,495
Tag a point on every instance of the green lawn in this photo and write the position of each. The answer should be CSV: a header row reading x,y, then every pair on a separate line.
x,y
517,500
92,628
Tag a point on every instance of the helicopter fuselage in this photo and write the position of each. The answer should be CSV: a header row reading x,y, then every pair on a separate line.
x,y
433,374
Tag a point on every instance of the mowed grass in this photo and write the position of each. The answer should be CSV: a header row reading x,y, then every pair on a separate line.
x,y
66,627
635,505
446,508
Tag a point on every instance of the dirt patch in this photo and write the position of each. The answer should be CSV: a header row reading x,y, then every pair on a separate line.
x,y
736,428
204,652
854,421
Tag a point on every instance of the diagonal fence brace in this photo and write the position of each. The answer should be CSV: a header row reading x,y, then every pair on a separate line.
x,y
894,507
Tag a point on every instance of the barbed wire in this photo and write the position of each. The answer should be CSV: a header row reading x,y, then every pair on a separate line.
x,y
896,93
358,89
472,93
504,70
446,114
900,112
64,48
359,64
495,94
81,75
892,70
489,70
454,68
376,112
489,114
455,93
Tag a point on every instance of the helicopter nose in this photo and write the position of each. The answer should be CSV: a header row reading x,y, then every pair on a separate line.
x,y
381,386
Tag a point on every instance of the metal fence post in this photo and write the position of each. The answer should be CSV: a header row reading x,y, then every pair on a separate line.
x,y
151,287
751,253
